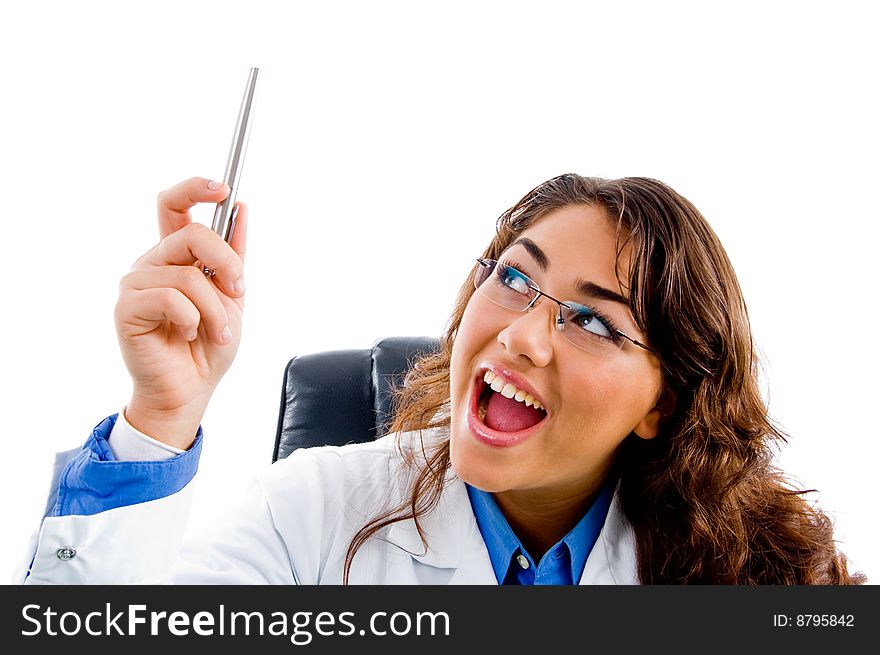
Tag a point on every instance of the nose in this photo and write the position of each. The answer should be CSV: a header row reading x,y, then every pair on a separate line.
x,y
530,334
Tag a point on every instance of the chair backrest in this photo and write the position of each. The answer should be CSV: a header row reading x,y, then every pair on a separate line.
x,y
343,396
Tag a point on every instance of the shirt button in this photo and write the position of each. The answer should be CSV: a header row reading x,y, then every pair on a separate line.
x,y
65,553
522,561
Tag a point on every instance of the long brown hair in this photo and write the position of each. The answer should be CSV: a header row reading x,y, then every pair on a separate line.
x,y
705,501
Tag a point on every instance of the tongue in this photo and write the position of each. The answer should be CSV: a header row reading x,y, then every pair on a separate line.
x,y
509,415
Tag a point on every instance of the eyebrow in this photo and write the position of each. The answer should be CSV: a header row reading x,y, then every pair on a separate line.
x,y
535,251
584,287
593,289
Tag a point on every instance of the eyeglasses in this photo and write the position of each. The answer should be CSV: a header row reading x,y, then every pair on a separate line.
x,y
509,288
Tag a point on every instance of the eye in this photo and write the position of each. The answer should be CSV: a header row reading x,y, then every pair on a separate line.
x,y
512,279
591,321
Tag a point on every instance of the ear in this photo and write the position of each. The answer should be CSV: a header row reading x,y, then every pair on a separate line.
x,y
649,427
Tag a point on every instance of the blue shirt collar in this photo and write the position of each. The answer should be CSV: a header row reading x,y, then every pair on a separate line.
x,y
503,544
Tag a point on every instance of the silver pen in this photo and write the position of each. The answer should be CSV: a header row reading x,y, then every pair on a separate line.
x,y
224,214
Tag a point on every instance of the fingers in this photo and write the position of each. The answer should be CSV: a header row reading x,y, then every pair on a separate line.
x,y
174,203
181,295
150,307
197,242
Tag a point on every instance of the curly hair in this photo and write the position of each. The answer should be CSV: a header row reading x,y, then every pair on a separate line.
x,y
705,501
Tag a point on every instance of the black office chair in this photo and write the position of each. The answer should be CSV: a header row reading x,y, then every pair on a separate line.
x,y
343,396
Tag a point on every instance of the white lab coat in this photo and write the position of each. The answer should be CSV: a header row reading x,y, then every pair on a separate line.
x,y
294,526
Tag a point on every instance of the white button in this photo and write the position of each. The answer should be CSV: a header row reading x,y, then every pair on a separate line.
x,y
522,561
65,553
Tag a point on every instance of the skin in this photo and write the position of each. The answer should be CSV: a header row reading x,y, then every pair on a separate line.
x,y
171,318
544,484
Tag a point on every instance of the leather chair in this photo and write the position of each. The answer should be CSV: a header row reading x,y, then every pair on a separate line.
x,y
343,396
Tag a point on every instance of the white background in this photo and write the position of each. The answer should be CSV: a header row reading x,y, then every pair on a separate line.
x,y
387,138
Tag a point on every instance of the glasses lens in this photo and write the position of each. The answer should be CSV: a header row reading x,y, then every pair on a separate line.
x,y
484,270
504,285
584,329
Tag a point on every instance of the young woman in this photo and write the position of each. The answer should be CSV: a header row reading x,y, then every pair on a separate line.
x,y
593,416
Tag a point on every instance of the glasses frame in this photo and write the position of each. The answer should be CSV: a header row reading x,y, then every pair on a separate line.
x,y
560,321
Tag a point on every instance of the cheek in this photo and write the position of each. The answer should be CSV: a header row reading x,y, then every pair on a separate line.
x,y
608,397
474,332
588,401
472,323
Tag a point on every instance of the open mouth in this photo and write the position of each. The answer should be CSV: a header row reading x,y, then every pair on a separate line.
x,y
502,413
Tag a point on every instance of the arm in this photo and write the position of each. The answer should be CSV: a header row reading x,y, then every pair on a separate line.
x,y
92,482
178,331
95,480
141,543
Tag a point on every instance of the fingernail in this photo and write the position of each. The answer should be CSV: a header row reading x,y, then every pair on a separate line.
x,y
213,186
238,286
227,335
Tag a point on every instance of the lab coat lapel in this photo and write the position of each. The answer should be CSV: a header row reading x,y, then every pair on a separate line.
x,y
613,558
454,540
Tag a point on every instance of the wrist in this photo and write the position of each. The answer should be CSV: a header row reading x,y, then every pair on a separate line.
x,y
175,427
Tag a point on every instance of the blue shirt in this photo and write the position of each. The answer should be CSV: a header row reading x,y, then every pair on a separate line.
x,y
93,481
563,564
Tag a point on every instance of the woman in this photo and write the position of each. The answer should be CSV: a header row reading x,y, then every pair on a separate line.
x,y
593,415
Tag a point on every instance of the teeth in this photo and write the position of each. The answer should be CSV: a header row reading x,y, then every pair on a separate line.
x,y
507,390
